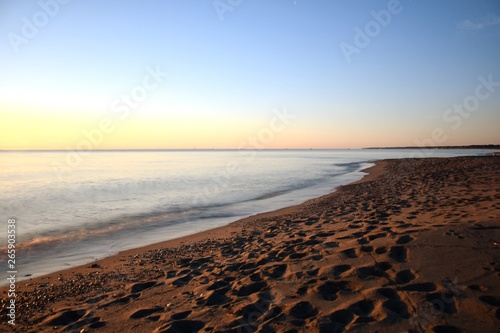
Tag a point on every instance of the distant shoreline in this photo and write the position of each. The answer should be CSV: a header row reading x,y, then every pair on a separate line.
x,y
441,147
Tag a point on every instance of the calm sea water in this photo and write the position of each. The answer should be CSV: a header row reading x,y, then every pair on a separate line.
x,y
72,211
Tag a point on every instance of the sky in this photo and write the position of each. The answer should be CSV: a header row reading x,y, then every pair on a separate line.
x,y
122,74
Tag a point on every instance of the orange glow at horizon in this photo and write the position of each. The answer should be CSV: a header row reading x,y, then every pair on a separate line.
x,y
23,128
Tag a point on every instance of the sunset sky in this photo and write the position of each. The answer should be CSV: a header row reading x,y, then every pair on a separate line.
x,y
264,74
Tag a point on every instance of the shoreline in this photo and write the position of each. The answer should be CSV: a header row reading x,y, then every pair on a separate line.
x,y
225,230
372,173
89,227
161,269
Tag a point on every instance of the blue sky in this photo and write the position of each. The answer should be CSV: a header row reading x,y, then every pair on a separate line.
x,y
226,76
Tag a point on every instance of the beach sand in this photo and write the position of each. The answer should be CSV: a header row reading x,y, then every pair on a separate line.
x,y
413,247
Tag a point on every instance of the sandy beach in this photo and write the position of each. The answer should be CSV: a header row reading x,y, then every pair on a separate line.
x,y
412,247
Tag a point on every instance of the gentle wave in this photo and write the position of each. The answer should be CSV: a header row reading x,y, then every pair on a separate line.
x,y
171,217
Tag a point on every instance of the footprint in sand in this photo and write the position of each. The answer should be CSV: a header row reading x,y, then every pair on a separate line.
x,y
362,308
138,287
329,290
312,220
330,245
218,285
404,239
252,314
395,309
200,263
377,270
398,253
65,317
146,312
491,300
180,315
74,320
389,293
96,299
170,274
338,270
215,298
494,301
312,241
325,234
184,262
250,289
353,235
378,235
477,287
302,290
366,249
256,277
404,276
97,324
303,310
191,326
297,255
182,280
338,320
260,308
203,279
354,226
363,241
350,253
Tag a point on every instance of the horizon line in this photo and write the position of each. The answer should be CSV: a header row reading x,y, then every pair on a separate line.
x,y
172,149
480,146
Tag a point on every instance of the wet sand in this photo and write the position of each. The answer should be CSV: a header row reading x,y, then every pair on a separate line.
x,y
413,247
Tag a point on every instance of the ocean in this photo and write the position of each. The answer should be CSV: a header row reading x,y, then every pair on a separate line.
x,y
71,209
